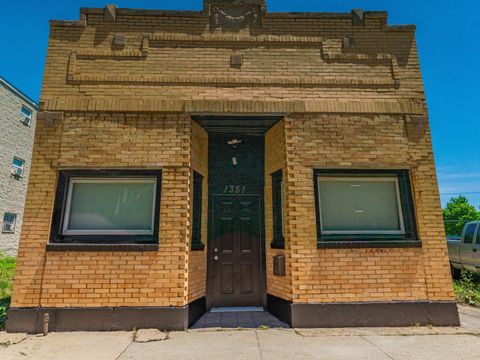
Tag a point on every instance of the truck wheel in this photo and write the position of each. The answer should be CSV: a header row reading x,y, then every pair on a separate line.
x,y
455,272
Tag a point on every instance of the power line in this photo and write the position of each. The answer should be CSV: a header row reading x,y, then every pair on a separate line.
x,y
462,193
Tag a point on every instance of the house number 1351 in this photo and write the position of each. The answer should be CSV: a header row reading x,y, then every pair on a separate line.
x,y
234,189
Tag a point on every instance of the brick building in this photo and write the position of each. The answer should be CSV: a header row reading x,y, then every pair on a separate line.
x,y
233,156
17,130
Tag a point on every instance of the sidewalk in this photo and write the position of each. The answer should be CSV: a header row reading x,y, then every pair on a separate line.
x,y
271,344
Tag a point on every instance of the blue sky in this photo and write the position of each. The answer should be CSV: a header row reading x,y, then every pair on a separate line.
x,y
447,37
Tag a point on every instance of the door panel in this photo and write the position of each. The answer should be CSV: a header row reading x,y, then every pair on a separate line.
x,y
236,243
227,278
247,278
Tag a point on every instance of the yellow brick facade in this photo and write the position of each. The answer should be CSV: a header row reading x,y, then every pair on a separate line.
x,y
108,279
362,142
197,260
105,107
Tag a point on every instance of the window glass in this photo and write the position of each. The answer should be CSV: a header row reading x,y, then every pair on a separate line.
x,y
277,209
469,232
9,221
197,210
109,206
27,115
360,205
26,112
17,166
18,162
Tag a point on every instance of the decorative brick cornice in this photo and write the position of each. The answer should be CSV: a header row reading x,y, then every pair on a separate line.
x,y
108,53
152,40
238,39
235,81
69,23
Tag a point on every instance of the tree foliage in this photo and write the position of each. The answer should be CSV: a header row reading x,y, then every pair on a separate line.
x,y
457,213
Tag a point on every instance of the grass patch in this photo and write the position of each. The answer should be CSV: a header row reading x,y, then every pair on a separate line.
x,y
467,289
7,269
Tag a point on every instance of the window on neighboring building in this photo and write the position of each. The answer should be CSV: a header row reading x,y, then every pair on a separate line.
x,y
197,243
26,115
107,206
18,166
278,241
9,221
364,205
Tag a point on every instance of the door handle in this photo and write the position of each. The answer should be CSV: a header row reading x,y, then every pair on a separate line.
x,y
215,258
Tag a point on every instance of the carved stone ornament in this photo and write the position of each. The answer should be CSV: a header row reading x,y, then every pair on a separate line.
x,y
235,15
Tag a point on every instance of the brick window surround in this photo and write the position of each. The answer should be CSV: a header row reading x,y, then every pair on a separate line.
x,y
407,238
59,236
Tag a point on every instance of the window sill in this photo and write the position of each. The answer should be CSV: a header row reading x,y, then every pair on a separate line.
x,y
368,244
198,246
102,247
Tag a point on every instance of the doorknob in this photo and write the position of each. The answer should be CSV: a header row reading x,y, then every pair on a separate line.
x,y
215,258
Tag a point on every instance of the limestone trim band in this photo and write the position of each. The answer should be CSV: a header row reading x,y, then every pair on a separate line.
x,y
211,107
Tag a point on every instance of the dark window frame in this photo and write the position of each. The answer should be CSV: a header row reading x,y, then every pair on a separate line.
x,y
197,212
409,239
278,241
63,182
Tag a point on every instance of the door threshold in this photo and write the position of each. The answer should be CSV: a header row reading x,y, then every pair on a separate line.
x,y
237,309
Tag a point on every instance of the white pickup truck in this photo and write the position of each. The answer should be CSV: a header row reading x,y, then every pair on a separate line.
x,y
465,253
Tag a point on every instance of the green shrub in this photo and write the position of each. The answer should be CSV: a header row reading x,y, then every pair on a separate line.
x,y
7,269
467,289
4,305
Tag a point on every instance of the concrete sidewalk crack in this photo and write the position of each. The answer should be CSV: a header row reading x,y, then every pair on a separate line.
x,y
376,347
258,344
126,348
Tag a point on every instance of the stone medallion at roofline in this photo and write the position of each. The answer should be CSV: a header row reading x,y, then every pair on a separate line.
x,y
235,15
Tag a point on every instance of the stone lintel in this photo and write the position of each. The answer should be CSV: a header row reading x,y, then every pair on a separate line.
x,y
393,107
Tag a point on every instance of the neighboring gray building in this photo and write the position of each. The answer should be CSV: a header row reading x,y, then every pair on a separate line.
x,y
17,129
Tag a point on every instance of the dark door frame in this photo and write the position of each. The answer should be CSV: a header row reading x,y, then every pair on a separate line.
x,y
237,124
262,252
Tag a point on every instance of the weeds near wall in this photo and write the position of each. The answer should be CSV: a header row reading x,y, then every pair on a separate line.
x,y
467,289
7,269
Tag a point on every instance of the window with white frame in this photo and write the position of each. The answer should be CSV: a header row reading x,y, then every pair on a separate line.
x,y
18,166
107,206
364,205
26,115
9,221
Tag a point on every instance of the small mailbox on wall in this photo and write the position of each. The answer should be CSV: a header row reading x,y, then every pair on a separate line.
x,y
279,265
